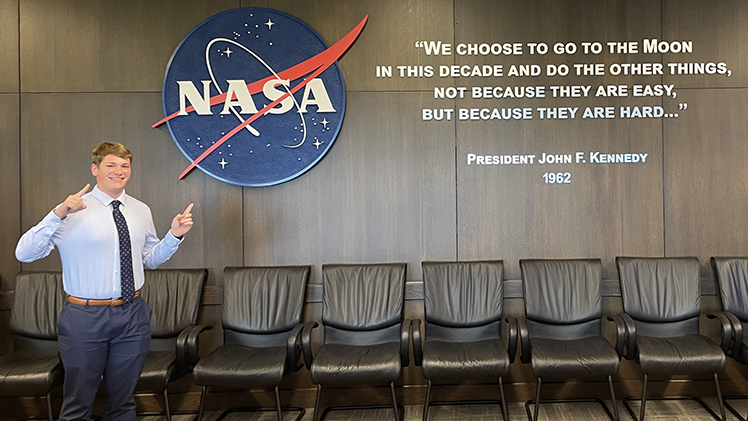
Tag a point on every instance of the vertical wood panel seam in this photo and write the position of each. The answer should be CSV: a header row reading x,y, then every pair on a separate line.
x,y
244,237
454,106
662,136
457,206
18,57
20,128
219,276
219,281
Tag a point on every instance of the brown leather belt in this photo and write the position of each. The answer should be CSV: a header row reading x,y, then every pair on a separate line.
x,y
110,302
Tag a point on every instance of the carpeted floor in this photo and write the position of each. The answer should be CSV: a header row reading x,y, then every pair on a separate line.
x,y
656,411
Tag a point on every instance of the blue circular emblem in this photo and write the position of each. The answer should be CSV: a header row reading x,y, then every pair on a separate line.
x,y
253,97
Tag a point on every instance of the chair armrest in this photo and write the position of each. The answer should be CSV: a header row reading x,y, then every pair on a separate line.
x,y
732,333
625,335
405,342
306,343
513,333
293,348
181,347
523,336
188,346
415,327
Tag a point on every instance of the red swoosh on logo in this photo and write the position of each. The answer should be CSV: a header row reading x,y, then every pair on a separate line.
x,y
316,65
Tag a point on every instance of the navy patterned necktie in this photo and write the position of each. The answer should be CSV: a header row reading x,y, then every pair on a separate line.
x,y
125,253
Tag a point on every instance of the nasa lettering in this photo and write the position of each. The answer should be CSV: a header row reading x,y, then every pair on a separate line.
x,y
254,96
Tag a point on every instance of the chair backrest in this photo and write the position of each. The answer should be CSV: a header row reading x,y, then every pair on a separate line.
x,y
732,282
38,299
463,301
662,295
174,295
363,298
262,304
563,298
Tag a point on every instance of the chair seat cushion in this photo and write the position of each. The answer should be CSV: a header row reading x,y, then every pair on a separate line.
x,y
236,366
347,365
689,354
28,374
460,361
160,367
579,358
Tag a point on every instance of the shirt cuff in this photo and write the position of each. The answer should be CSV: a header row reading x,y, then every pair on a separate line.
x,y
171,240
52,219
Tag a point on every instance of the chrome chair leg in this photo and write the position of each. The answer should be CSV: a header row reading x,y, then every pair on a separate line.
x,y
315,417
613,397
166,404
426,404
203,396
537,400
504,410
719,397
394,401
644,399
278,404
49,407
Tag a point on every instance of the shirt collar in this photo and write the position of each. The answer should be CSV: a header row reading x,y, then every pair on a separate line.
x,y
105,199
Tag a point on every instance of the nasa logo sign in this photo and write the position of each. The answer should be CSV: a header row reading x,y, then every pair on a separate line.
x,y
254,96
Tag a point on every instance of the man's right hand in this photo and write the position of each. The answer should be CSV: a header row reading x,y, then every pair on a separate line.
x,y
72,204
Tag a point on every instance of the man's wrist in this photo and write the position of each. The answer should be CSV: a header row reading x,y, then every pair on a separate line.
x,y
58,213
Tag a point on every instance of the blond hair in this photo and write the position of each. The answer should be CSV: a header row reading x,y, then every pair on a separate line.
x,y
109,148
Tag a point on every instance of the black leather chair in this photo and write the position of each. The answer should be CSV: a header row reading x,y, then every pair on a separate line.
x,y
262,312
561,333
731,274
659,328
34,368
462,330
174,295
366,340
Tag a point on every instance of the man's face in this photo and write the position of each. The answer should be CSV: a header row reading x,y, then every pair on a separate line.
x,y
112,174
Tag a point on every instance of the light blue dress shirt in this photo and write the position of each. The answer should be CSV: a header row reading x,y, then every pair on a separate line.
x,y
89,245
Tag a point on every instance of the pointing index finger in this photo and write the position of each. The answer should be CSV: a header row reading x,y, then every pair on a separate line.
x,y
189,208
83,190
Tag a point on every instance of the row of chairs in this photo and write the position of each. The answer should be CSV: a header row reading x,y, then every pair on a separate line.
x,y
366,339
659,329
34,367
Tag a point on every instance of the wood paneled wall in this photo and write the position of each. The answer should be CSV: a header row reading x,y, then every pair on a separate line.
x,y
10,216
351,207
74,73
9,46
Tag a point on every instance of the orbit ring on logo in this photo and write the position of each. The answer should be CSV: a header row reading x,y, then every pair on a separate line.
x,y
254,96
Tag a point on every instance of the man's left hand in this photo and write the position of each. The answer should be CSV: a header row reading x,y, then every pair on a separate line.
x,y
182,223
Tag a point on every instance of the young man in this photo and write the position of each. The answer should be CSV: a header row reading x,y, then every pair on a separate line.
x,y
105,237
